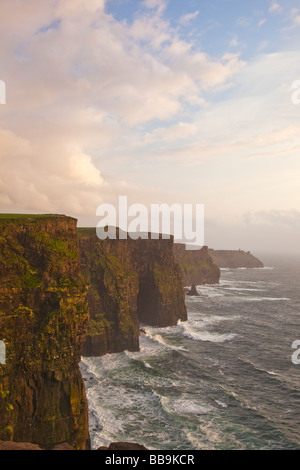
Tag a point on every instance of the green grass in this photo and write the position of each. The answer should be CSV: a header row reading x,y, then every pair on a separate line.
x,y
29,217
26,216
86,231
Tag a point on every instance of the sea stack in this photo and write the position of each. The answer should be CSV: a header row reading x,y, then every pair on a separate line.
x,y
193,291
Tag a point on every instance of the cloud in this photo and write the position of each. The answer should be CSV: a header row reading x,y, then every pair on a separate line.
x,y
159,5
261,22
80,86
234,42
275,7
242,21
295,17
273,231
186,19
179,131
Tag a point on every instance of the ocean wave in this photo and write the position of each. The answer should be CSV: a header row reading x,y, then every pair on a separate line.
x,y
201,335
250,289
221,404
184,406
265,267
259,299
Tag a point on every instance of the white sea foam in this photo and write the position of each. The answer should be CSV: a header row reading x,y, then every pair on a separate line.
x,y
200,335
184,406
265,267
252,289
221,403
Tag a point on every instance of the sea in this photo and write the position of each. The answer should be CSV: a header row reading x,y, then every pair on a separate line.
x,y
224,379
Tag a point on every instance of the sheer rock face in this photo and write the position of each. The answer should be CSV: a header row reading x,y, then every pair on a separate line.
x,y
160,299
235,259
197,266
131,281
112,297
43,321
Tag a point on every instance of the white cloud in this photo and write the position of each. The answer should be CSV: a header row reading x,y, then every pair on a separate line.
x,y
160,5
275,7
79,86
97,107
262,22
186,19
295,17
234,42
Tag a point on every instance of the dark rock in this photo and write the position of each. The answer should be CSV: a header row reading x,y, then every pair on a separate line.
x,y
63,446
193,291
9,445
123,446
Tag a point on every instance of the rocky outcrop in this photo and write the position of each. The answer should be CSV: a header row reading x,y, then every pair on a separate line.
x,y
8,445
131,281
197,266
43,320
193,291
123,446
235,259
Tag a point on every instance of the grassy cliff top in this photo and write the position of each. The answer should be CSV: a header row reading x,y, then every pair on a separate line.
x,y
86,231
30,217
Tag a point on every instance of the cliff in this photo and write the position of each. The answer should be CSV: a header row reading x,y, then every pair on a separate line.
x,y
131,281
161,300
197,266
112,297
43,320
235,259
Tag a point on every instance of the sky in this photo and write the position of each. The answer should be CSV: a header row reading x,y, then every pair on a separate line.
x,y
163,101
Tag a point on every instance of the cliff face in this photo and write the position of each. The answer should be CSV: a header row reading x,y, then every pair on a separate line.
x,y
43,320
113,288
235,259
131,281
197,266
160,299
